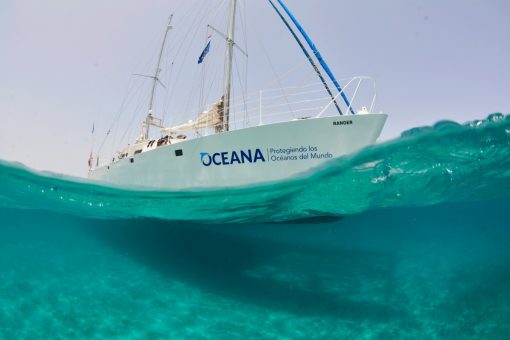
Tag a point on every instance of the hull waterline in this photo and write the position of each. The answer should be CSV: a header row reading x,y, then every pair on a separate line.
x,y
255,155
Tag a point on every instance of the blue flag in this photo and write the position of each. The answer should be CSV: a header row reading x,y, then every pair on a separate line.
x,y
204,52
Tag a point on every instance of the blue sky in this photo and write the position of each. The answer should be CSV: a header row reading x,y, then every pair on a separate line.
x,y
67,64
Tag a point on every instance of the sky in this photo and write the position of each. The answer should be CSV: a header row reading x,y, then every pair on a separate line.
x,y
66,65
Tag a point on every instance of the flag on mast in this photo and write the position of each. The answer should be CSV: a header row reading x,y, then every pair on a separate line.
x,y
90,160
205,51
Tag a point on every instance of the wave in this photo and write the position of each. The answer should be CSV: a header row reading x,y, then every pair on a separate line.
x,y
446,162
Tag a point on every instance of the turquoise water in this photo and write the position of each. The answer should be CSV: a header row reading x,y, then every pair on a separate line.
x,y
407,239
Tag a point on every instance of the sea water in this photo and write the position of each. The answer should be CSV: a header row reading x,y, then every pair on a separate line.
x,y
406,239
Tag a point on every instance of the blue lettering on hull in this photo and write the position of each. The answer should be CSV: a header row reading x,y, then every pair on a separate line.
x,y
232,157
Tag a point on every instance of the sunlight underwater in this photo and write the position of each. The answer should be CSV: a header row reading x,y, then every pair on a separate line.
x,y
414,243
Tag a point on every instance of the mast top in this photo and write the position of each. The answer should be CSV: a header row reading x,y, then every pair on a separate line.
x,y
150,119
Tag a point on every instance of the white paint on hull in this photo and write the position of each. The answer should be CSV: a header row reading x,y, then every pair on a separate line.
x,y
287,149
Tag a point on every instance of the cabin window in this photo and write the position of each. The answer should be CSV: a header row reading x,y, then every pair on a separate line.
x,y
132,160
137,152
178,152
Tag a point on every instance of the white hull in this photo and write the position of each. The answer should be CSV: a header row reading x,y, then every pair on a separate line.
x,y
248,156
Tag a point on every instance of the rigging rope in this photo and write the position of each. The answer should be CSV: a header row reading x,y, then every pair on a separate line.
x,y
317,54
308,56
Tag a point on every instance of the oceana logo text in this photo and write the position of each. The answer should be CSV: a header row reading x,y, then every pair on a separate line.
x,y
232,157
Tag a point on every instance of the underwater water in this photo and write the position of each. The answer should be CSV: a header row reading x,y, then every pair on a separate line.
x,y
406,239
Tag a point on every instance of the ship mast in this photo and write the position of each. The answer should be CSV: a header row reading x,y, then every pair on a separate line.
x,y
150,119
228,64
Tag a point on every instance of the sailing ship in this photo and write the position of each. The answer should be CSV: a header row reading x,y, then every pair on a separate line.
x,y
229,156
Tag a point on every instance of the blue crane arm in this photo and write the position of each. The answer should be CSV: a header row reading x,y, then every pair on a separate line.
x,y
317,54
308,56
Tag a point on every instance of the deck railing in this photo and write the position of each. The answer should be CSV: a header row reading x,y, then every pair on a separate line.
x,y
307,101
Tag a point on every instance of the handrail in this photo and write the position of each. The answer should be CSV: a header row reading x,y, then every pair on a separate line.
x,y
360,80
296,106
